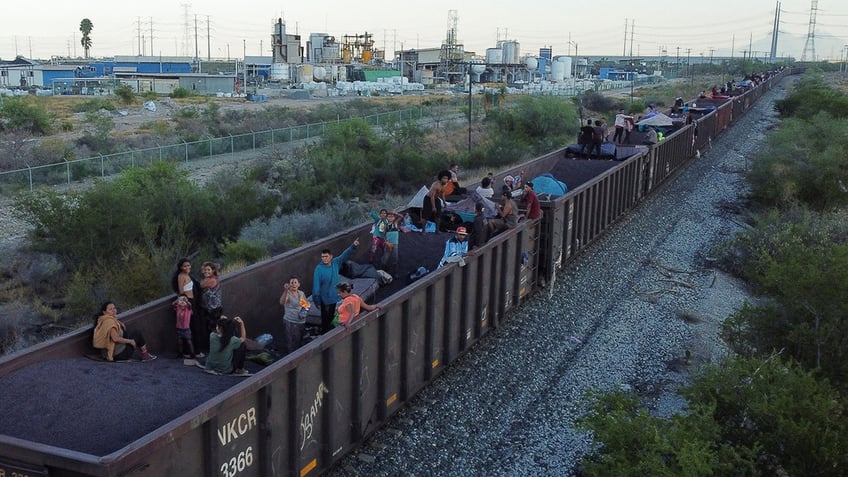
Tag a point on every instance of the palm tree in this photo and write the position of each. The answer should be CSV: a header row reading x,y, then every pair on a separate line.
x,y
85,27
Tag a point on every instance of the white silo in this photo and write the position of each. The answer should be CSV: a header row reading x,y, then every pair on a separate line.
x,y
494,56
567,62
319,73
557,71
531,63
511,53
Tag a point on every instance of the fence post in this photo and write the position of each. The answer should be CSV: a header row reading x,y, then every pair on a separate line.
x,y
132,158
185,147
102,166
232,147
291,134
253,135
68,168
29,170
210,147
160,151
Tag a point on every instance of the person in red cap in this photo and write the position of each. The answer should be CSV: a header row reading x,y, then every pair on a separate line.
x,y
456,247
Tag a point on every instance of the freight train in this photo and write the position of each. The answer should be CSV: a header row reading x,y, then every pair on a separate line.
x,y
68,415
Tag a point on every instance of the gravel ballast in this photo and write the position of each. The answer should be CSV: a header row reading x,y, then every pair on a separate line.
x,y
640,310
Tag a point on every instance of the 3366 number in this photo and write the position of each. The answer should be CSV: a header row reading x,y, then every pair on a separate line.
x,y
238,463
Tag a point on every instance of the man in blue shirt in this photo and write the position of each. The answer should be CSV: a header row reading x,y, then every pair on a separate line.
x,y
324,283
456,247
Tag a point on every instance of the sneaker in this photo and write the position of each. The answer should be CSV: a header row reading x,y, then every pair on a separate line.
x,y
190,362
199,355
148,357
199,365
241,372
211,371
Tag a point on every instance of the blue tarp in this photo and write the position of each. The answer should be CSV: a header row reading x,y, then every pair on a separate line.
x,y
547,184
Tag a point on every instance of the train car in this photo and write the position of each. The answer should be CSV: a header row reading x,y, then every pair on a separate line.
x,y
69,415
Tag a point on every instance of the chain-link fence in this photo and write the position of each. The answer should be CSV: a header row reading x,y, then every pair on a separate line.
x,y
69,172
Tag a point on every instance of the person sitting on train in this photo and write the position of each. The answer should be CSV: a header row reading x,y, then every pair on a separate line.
x,y
485,188
227,348
455,248
531,202
507,216
114,341
479,229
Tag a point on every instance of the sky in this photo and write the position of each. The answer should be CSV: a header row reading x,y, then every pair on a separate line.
x,y
594,27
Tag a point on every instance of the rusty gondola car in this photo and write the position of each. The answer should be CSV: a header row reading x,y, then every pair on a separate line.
x,y
301,414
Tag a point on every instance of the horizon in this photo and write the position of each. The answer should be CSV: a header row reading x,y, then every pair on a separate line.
x,y
212,30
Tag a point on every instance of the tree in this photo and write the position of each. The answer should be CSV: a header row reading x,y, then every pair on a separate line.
x,y
85,27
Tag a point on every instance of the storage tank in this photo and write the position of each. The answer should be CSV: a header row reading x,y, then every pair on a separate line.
x,y
279,72
494,56
565,60
366,56
531,63
319,73
511,52
305,75
558,71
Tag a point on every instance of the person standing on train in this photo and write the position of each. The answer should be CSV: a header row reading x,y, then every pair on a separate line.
x,y
620,119
211,304
324,282
295,309
351,305
431,208
183,283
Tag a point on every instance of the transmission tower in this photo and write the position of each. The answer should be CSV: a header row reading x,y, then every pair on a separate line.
x,y
186,46
452,51
810,44
773,50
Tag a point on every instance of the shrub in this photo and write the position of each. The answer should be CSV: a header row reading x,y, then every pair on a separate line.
x,y
94,105
125,93
180,93
23,113
804,162
242,251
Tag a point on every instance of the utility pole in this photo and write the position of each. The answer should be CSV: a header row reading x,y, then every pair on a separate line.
x,y
688,67
624,50
208,40
196,53
138,21
677,65
152,51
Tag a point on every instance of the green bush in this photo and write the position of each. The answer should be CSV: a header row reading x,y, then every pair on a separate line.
x,y
759,417
125,93
94,105
804,162
242,251
23,113
180,93
812,95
